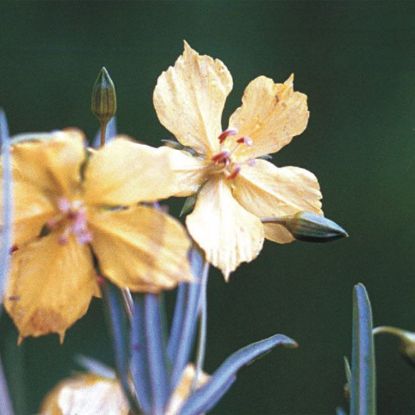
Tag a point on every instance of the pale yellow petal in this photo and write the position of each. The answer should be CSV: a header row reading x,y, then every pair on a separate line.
x,y
53,166
189,99
266,190
227,232
182,392
140,248
87,395
271,115
124,172
50,286
31,210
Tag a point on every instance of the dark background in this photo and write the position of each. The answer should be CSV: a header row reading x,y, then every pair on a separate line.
x,y
356,62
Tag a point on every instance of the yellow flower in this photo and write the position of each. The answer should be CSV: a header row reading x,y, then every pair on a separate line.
x,y
85,394
235,186
71,210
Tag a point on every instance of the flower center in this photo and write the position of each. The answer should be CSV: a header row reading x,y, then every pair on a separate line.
x,y
71,219
222,161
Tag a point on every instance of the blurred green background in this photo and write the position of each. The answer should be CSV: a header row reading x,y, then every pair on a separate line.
x,y
356,62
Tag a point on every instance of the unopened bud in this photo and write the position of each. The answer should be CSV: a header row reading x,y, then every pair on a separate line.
x,y
104,98
407,341
309,227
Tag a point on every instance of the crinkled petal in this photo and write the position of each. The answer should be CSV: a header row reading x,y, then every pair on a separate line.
x,y
266,190
124,172
85,394
31,210
271,115
189,99
227,232
53,166
50,286
140,248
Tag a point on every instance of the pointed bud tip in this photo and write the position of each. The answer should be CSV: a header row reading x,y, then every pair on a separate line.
x,y
310,227
104,98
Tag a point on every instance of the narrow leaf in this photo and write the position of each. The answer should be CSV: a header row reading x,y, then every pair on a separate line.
x,y
209,394
119,329
139,364
180,355
178,317
7,202
94,366
156,354
363,381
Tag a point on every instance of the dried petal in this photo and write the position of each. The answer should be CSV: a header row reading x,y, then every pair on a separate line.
x,y
140,248
87,395
227,232
271,115
266,190
50,286
189,100
53,166
124,172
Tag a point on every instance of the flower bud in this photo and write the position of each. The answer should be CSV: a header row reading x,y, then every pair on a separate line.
x,y
309,227
104,98
407,341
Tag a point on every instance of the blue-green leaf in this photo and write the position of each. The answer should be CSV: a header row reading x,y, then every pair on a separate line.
x,y
209,394
7,202
363,380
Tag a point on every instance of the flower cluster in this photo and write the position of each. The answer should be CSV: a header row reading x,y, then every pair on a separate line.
x,y
84,218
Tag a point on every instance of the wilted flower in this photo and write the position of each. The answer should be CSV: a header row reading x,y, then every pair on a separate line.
x,y
75,209
236,188
85,394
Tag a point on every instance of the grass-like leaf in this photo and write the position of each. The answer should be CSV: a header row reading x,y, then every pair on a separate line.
x,y
209,394
180,354
7,202
119,330
363,378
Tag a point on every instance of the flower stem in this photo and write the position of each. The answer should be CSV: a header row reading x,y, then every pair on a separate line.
x,y
103,131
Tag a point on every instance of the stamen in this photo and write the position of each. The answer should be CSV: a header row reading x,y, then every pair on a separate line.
x,y
222,157
234,173
245,140
227,133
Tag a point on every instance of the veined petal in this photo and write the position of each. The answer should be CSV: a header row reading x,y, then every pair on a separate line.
x,y
85,394
189,99
50,286
271,115
140,248
266,190
31,210
227,232
53,166
124,172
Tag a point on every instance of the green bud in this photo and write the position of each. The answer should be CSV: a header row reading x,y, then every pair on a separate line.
x,y
104,98
309,227
407,341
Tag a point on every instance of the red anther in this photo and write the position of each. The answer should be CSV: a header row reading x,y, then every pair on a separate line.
x,y
14,298
100,279
234,173
222,157
245,140
13,248
227,133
